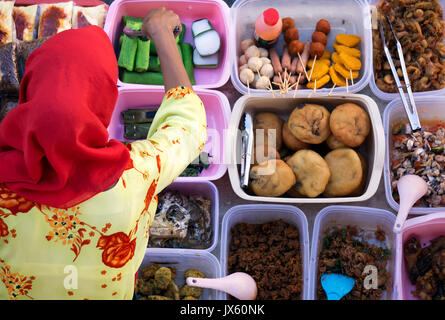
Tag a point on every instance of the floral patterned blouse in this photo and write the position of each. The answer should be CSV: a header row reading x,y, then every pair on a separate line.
x,y
93,250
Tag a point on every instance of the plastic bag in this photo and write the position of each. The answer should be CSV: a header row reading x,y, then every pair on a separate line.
x,y
6,105
24,50
9,79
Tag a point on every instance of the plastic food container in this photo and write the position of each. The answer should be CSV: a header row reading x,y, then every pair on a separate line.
x,y
425,228
217,109
184,260
350,17
428,108
263,213
373,148
391,96
189,10
364,218
208,190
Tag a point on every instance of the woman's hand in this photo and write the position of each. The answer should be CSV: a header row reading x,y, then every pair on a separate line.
x,y
159,22
158,26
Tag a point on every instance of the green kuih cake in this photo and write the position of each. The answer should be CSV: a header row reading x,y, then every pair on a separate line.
x,y
142,55
127,54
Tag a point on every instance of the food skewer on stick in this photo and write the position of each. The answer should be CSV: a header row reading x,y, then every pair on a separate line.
x,y
303,59
347,86
315,88
352,78
296,87
312,69
332,89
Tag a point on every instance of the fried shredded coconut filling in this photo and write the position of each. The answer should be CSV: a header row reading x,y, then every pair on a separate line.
x,y
271,254
345,252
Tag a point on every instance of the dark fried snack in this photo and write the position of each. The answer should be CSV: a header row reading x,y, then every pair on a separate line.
x,y
319,36
324,26
288,23
291,34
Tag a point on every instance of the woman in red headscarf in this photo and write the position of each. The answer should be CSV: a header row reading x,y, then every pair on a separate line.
x,y
76,207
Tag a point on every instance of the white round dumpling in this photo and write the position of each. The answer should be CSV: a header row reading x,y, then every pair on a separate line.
x,y
246,76
262,83
263,52
245,44
267,71
252,51
255,63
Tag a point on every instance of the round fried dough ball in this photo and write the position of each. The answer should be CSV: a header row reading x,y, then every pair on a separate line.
x,y
361,188
310,124
350,124
334,143
346,172
311,171
272,125
324,26
317,49
288,23
291,34
272,178
319,36
263,153
290,141
295,47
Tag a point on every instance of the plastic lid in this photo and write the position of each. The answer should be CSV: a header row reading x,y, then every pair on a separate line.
x,y
271,16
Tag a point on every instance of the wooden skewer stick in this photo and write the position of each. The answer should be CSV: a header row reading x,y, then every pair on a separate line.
x,y
288,81
352,79
296,87
312,69
302,64
248,88
347,86
330,92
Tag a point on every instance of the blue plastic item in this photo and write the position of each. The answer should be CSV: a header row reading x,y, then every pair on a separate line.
x,y
336,286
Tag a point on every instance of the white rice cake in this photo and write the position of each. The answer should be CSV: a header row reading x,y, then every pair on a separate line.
x,y
55,18
25,19
6,21
86,16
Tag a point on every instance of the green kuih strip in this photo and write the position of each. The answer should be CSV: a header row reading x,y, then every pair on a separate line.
x,y
154,78
182,34
155,64
121,39
142,55
187,57
134,22
127,54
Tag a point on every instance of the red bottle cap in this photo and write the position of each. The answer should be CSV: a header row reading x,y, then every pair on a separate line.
x,y
271,16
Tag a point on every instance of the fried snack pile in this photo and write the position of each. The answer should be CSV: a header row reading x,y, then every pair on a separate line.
x,y
289,159
271,254
344,251
426,268
419,27
158,283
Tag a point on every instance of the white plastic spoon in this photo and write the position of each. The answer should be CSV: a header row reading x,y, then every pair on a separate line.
x,y
239,285
411,188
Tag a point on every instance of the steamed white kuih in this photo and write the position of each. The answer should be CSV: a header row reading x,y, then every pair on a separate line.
x,y
255,63
252,51
208,43
246,76
205,62
200,26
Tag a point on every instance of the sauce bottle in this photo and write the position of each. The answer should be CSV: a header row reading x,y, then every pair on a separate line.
x,y
268,27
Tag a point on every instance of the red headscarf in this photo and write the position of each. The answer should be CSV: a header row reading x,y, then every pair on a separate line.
x,y
54,146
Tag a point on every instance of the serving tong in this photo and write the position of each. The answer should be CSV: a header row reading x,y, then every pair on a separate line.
x,y
413,117
246,149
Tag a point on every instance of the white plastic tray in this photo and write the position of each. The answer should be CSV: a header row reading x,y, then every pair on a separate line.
x,y
391,96
428,108
365,218
350,17
373,148
183,260
262,213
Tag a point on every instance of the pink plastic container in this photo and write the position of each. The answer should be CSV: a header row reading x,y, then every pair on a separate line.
x,y
216,11
208,190
425,228
218,113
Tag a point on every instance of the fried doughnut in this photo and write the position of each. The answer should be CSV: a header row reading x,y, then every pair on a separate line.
x,y
333,143
310,124
346,172
263,153
272,178
269,122
290,141
361,188
311,171
350,124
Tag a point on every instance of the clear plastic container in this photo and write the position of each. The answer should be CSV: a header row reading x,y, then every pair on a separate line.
x,y
208,190
367,219
373,148
189,11
218,113
350,17
184,260
262,213
428,108
425,229
391,96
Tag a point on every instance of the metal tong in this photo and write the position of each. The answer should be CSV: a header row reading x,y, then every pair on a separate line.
x,y
413,117
246,149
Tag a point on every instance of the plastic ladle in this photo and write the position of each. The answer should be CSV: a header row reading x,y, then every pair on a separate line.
x,y
411,188
336,286
239,285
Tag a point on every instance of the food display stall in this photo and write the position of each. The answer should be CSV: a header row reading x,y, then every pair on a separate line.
x,y
330,206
